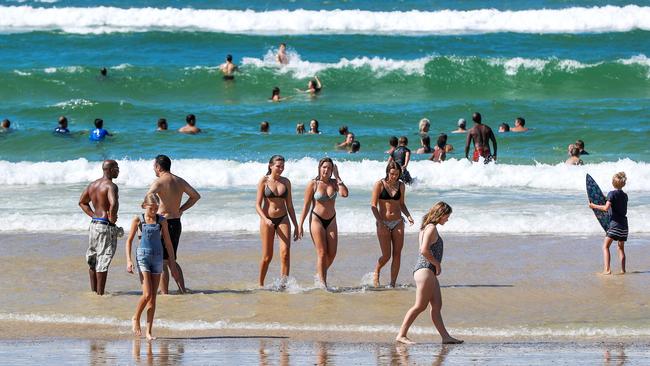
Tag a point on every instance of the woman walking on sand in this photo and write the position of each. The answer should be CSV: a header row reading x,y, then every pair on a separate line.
x,y
387,204
320,195
274,204
426,275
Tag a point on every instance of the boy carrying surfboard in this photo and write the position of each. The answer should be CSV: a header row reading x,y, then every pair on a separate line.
x,y
617,229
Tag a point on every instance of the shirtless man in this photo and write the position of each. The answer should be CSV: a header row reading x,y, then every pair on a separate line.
x,y
481,135
170,189
103,232
282,57
520,123
228,68
190,128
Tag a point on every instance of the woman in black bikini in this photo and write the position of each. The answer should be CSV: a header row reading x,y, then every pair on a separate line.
x,y
273,205
387,204
321,194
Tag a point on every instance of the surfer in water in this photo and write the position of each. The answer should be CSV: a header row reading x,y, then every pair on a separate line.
x,y
228,68
616,205
481,135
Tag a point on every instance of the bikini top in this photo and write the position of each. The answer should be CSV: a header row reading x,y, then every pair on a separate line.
x,y
323,197
268,193
384,195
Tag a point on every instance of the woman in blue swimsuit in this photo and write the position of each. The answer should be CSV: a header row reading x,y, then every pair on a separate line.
x,y
426,274
274,204
320,195
387,204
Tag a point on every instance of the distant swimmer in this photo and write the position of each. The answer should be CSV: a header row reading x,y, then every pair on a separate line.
x,y
320,196
103,194
402,155
392,142
99,133
387,204
520,123
462,126
190,126
300,129
103,72
6,125
282,57
228,69
355,147
426,273
274,205
161,125
264,127
170,188
343,130
62,128
154,239
581,145
574,156
504,127
441,149
313,127
314,86
616,205
481,135
425,148
347,144
424,126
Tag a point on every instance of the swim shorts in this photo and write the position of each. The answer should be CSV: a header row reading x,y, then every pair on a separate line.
x,y
175,229
102,245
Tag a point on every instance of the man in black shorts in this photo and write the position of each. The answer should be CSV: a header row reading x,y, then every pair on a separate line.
x,y
170,189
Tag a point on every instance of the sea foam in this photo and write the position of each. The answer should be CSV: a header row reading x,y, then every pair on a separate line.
x,y
112,19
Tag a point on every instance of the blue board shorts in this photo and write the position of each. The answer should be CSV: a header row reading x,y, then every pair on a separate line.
x,y
149,260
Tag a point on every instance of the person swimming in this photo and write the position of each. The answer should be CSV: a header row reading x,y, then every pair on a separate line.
x,y
425,141
162,124
313,127
462,124
300,129
62,128
99,133
228,68
264,127
275,95
282,57
355,146
504,127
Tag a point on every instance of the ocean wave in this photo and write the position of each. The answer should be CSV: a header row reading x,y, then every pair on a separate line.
x,y
229,173
112,19
74,104
196,325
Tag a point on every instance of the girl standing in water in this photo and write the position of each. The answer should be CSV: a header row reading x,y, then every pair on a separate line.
x,y
274,204
320,195
426,275
149,257
387,205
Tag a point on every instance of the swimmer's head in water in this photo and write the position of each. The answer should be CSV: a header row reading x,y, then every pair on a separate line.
x,y
403,141
275,92
476,117
580,144
520,121
325,168
425,124
103,71
283,46
162,124
349,138
438,214
504,127
393,141
442,140
162,163
150,199
462,123
63,122
99,123
229,58
264,126
313,125
6,123
393,171
619,179
300,128
574,151
355,146
276,162
343,130
111,168
190,119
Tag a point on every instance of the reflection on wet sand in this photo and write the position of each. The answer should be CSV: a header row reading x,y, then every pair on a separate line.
x,y
283,353
614,355
169,352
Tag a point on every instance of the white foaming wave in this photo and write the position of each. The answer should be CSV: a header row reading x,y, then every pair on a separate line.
x,y
203,325
22,73
74,103
303,69
123,66
112,19
68,69
229,173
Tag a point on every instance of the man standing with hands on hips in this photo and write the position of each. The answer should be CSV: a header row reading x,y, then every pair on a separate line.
x,y
170,189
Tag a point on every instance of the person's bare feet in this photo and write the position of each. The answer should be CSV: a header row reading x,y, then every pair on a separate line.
x,y
622,272
606,273
135,327
150,337
375,279
403,340
452,340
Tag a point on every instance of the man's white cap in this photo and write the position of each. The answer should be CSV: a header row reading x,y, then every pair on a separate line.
x,y
461,122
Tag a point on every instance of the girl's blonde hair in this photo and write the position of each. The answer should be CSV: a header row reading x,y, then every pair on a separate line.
x,y
434,215
619,179
151,199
